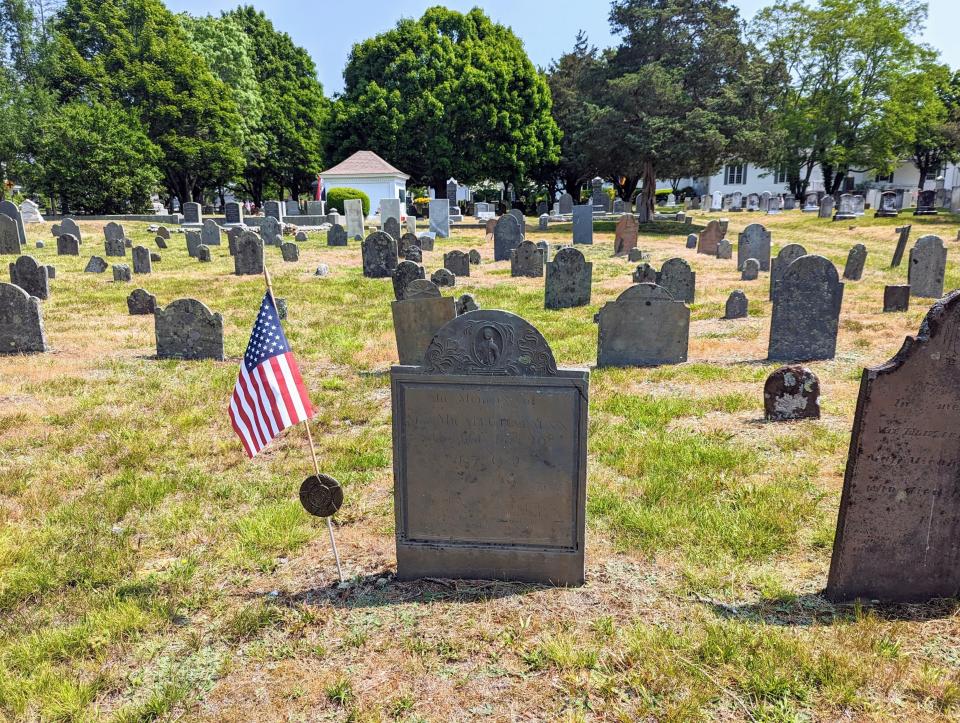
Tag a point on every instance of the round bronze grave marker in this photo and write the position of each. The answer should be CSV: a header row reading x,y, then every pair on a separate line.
x,y
321,495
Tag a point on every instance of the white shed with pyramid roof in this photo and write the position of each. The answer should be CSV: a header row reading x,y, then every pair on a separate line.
x,y
368,172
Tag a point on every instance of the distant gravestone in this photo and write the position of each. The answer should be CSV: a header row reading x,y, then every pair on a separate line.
x,y
853,270
896,298
490,226
518,214
845,208
543,222
421,289
186,329
457,262
291,207
411,224
417,320
31,276
635,255
68,225
806,311
692,241
68,245
336,235
194,241
379,252
248,261
9,236
443,278
583,224
163,232
353,210
678,279
406,241
506,237
509,504
95,265
736,307
753,202
315,208
750,271
122,274
466,303
566,204
896,537
791,392
625,234
51,271
426,240
904,236
115,247
645,326
724,249
192,213
710,238
414,253
405,273
389,208
161,242
887,208
333,216
526,260
142,263
210,233
788,254
155,257
10,209
440,217
927,266
569,280
474,256
141,303
290,252
21,322
233,213
301,237
271,231
273,209
826,207
754,243
645,274
392,226
233,233
926,204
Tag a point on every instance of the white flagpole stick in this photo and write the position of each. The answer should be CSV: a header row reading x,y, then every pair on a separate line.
x,y
313,451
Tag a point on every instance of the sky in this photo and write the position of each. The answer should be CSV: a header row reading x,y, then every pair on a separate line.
x,y
329,29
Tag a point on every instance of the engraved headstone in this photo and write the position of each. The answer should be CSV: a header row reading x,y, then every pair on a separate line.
x,y
853,270
31,276
290,252
440,217
9,236
569,280
142,263
233,213
122,273
845,209
379,252
679,280
336,235
192,213
645,326
583,224
406,272
413,253
392,226
248,261
10,209
406,241
67,245
518,214
788,254
527,260
826,207
636,254
210,233
273,209
887,207
141,303
457,262
233,233
806,311
426,240
927,266
466,303
896,298
194,241
506,237
353,210
69,225
791,392
736,307
710,238
625,234
724,249
291,207
566,204
754,243
161,242
421,289
21,322
443,278
163,232
271,232
186,329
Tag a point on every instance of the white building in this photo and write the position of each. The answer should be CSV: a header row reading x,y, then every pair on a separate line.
x,y
368,172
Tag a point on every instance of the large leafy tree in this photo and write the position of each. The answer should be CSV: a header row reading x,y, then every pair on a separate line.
x,y
289,136
931,98
136,53
450,94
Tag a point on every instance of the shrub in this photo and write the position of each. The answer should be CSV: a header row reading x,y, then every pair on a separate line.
x,y
336,197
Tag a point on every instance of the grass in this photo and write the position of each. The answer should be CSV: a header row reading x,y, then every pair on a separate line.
x,y
149,572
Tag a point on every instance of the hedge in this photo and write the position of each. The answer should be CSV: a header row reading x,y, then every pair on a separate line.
x,y
336,197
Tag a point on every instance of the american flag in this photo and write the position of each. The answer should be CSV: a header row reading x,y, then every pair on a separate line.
x,y
270,395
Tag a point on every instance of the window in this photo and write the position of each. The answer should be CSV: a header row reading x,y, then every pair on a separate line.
x,y
735,174
781,174
880,178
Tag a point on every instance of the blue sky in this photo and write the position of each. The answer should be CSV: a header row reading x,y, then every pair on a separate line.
x,y
328,30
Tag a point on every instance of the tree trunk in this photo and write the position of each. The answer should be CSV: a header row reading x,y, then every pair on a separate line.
x,y
648,192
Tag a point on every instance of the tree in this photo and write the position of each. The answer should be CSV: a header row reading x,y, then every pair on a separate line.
x,y
684,93
296,111
450,94
932,97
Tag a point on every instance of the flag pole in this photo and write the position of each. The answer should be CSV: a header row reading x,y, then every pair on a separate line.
x,y
313,451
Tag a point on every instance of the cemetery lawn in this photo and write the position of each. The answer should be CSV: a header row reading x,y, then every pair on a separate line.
x,y
149,571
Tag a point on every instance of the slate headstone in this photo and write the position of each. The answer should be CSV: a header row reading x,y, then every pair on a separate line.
x,y
927,266
273,209
806,311
142,263
566,204
96,265
754,243
896,298
526,260
443,278
271,232
121,273
466,303
233,213
644,274
736,307
31,276
192,213
692,241
788,254
210,233
474,256
457,262
406,241
414,253
9,236
194,241
290,252
750,270
506,237
421,289
248,260
406,272
826,207
187,329
569,280
391,226
336,235
68,245
379,253
583,224
10,209
678,279
141,303
853,270
417,320
645,326
902,238
21,322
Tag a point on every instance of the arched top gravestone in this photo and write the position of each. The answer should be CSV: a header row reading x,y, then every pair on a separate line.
x,y
21,322
527,260
754,243
9,208
569,280
507,235
625,234
710,238
66,225
421,289
926,267
187,329
406,273
31,276
9,235
644,326
788,254
68,245
806,311
379,252
336,235
248,259
678,279
457,262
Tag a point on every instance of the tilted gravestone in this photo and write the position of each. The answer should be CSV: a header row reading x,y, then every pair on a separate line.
x,y
142,263
489,449
527,260
569,280
754,243
710,238
155,257
248,261
161,242
405,273
192,213
163,232
121,273
21,322
379,252
750,271
417,320
194,241
806,311
927,266
678,279
353,210
506,237
853,269
904,236
392,226
96,265
141,303
68,245
625,234
271,232
443,278
290,252
583,224
788,254
210,233
736,307
10,209
457,262
645,326
336,235
31,276
791,392
644,274
186,329
896,298
543,222
566,204
899,515
233,213
440,217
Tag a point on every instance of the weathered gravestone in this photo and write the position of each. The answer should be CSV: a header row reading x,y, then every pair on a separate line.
x,y
291,207
9,236
457,262
754,243
210,233
466,303
416,320
121,273
273,209
750,270
411,224
788,254
710,238
489,449
853,270
791,392
163,232
489,227
406,241
826,207
527,260
9,208
896,298
566,204
96,265
51,272
724,249
353,210
753,202
233,213
444,278
518,214
543,222
300,237
927,266
583,224
115,247
902,238
645,326
392,226
155,257
474,257
233,234
806,311
636,254
248,261
625,234
186,329
736,307
379,252
389,208
406,272
679,280
271,232
426,240
67,225
899,522
192,214
887,207
290,252
161,243
926,204
569,280
336,235
644,274
68,245
21,322
440,217
142,263
506,237
141,303
31,276
692,241
845,208
413,253
194,241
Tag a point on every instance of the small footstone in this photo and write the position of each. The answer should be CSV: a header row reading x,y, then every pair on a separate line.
x,y
290,252
161,242
95,265
635,255
154,256
51,272
692,241
474,256
39,244
751,270
443,277
141,303
322,270
203,253
466,303
724,249
896,298
300,237
122,272
736,305
791,392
